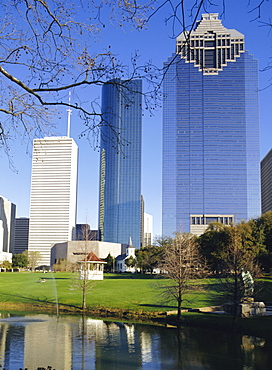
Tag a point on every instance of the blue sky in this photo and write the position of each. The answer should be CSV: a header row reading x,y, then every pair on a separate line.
x,y
154,44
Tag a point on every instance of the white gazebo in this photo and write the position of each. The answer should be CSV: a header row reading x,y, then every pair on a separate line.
x,y
92,268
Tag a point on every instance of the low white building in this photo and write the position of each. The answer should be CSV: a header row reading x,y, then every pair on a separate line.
x,y
74,251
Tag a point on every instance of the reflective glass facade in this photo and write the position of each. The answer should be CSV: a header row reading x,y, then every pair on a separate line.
x,y
120,162
210,129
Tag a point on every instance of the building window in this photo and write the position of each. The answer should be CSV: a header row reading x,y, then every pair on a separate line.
x,y
210,59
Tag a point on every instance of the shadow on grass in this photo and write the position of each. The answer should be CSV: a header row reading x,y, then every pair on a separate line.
x,y
262,291
157,306
32,300
53,278
129,276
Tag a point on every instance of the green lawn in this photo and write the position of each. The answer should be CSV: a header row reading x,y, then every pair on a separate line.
x,y
125,291
135,293
118,291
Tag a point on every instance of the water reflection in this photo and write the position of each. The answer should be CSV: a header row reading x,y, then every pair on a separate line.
x,y
83,343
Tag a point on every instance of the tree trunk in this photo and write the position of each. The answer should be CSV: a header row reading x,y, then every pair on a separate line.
x,y
84,289
235,303
179,304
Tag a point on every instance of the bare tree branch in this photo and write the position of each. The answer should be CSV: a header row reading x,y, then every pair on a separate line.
x,y
48,48
181,263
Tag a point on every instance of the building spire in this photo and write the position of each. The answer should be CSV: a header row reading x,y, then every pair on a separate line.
x,y
69,110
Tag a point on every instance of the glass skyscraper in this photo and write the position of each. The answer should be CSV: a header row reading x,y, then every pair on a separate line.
x,y
120,162
210,130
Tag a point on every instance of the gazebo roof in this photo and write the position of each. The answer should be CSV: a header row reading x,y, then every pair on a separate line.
x,y
91,257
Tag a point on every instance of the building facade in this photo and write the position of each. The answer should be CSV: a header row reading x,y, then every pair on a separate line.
x,y
21,235
266,182
7,229
210,129
120,163
53,198
148,230
74,251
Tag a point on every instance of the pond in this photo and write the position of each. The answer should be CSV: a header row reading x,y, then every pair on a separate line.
x,y
77,343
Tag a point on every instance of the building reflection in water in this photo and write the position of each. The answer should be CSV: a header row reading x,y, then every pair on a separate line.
x,y
79,343
48,343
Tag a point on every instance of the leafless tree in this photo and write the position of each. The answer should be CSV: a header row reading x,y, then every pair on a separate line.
x,y
181,263
49,48
81,281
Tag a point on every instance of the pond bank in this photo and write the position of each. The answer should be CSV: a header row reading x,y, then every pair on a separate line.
x,y
254,326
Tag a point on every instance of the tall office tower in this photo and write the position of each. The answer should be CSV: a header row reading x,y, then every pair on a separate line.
x,y
266,182
53,196
21,235
210,130
120,163
148,230
7,226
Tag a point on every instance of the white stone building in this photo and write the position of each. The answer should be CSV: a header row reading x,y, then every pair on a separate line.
x,y
148,229
7,229
53,196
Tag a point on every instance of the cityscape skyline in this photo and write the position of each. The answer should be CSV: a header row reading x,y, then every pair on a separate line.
x,y
211,163
13,185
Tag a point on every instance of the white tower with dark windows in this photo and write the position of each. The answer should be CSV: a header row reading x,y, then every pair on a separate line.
x,y
53,197
7,229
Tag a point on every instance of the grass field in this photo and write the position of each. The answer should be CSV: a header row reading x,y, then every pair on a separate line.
x,y
123,291
134,293
120,291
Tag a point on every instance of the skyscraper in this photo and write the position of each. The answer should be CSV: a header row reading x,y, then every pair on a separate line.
x,y
53,196
21,235
120,162
266,182
210,130
7,228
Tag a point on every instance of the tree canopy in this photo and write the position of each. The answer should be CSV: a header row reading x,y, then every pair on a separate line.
x,y
20,260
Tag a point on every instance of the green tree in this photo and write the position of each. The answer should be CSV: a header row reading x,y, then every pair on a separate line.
x,y
237,256
130,261
33,258
149,258
264,225
19,260
211,244
110,263
6,265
